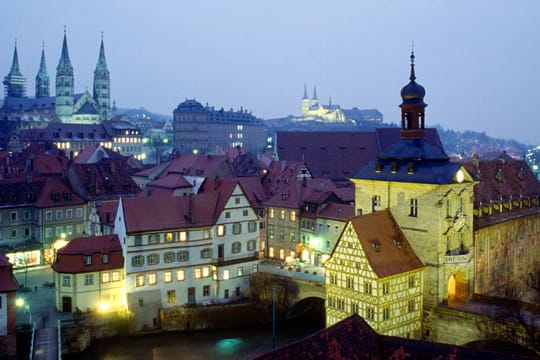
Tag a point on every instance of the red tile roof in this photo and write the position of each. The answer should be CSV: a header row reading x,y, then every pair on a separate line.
x,y
71,258
337,211
199,165
386,248
170,181
8,282
57,192
251,186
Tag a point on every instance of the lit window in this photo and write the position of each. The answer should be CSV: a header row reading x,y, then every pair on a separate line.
x,y
281,254
167,276
183,235
282,214
205,272
152,279
255,268
271,252
139,281
240,271
116,276
169,237
226,275
293,215
220,230
180,275
171,296
197,273
271,213
106,277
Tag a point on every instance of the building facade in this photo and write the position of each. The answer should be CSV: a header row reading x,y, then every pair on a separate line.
x,y
198,129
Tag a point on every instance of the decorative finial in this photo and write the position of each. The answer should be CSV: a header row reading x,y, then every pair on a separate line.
x,y
413,76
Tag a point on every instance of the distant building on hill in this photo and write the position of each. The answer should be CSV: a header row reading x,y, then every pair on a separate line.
x,y
199,129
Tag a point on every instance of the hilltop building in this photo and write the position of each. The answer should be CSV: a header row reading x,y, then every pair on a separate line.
x,y
313,110
198,129
66,106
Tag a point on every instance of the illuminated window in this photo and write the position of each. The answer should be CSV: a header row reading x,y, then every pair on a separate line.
x,y
197,273
240,271
115,276
282,214
105,277
183,235
271,252
226,275
293,215
271,213
169,237
167,276
205,271
180,275
171,296
220,230
152,279
255,268
281,254
413,211
376,203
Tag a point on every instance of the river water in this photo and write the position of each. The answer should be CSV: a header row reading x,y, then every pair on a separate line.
x,y
244,343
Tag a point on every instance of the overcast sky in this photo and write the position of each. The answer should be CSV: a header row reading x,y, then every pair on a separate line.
x,y
478,60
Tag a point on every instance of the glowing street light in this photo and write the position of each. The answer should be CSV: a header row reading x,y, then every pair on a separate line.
x,y
20,303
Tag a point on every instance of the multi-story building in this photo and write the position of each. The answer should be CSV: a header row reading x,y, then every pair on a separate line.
x,y
198,129
89,274
187,250
375,273
66,106
8,317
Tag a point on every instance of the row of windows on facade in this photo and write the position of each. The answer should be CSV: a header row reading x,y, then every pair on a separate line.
x,y
106,277
185,235
198,273
191,294
271,253
349,283
67,230
282,214
369,312
27,214
376,206
310,224
183,255
104,259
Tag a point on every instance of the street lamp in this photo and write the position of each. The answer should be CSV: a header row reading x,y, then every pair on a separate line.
x,y
20,303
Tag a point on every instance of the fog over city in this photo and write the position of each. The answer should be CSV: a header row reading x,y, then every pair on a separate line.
x,y
477,60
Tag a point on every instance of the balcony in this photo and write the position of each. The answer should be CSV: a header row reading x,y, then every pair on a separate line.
x,y
231,260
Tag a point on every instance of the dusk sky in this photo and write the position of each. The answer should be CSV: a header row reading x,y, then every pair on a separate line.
x,y
478,60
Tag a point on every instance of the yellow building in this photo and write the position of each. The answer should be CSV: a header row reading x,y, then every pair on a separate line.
x,y
88,274
374,272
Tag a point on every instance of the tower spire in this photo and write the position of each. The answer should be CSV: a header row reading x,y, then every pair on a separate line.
x,y
65,84
305,97
14,81
314,93
102,84
42,78
65,63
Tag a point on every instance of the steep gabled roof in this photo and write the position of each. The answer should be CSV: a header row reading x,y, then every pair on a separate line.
x,y
199,165
251,186
57,192
71,258
385,245
8,282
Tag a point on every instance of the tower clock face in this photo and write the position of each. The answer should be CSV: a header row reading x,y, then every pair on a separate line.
x,y
460,176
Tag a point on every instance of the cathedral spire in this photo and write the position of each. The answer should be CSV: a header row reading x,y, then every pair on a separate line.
x,y
42,78
14,81
64,64
102,63
305,97
102,84
314,93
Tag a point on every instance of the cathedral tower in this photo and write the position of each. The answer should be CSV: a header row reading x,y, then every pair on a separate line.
x,y
64,85
42,78
305,102
314,101
14,81
102,85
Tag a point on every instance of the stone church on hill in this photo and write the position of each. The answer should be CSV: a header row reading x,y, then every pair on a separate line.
x,y
65,106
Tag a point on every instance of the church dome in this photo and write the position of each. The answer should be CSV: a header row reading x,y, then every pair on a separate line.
x,y
413,93
190,105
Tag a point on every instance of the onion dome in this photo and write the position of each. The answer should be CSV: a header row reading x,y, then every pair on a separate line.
x,y
413,93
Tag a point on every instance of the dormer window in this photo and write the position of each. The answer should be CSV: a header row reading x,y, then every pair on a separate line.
x,y
88,260
105,258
